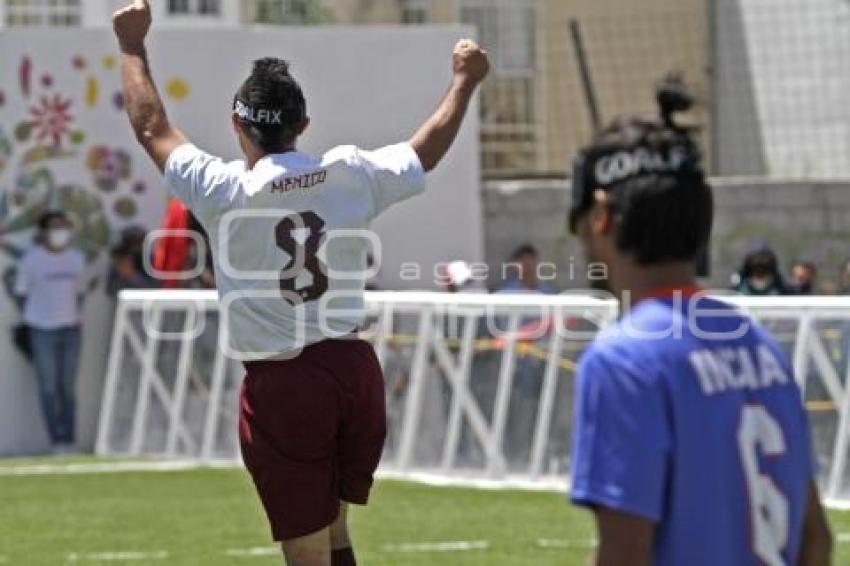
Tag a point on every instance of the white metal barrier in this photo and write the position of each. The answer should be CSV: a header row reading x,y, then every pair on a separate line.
x,y
478,386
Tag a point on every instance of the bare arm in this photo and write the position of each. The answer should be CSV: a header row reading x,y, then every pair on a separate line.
x,y
816,547
624,539
141,99
434,138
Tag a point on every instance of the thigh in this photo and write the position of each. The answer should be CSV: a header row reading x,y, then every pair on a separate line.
x,y
363,429
289,418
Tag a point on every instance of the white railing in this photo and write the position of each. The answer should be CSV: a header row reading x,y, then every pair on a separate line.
x,y
478,386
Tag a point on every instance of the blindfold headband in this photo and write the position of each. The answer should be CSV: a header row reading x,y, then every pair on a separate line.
x,y
266,116
606,168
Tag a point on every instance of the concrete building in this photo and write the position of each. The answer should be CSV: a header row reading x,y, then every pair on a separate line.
x,y
96,13
535,109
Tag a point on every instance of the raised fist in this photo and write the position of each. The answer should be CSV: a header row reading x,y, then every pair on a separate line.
x,y
132,24
469,61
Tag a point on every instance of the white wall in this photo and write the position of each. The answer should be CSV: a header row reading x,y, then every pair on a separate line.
x,y
369,86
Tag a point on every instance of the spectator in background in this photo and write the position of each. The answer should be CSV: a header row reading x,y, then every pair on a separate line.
x,y
803,277
455,276
133,238
127,271
759,274
50,284
525,262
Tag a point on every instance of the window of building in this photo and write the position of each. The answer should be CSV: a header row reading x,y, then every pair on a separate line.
x,y
506,28
178,6
415,11
208,7
43,13
194,7
288,11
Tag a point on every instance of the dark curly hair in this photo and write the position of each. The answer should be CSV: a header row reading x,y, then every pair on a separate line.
x,y
663,213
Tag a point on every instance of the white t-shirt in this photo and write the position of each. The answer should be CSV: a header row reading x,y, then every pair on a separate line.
x,y
289,270
52,284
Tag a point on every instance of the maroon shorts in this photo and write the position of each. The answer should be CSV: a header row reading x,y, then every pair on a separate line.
x,y
312,430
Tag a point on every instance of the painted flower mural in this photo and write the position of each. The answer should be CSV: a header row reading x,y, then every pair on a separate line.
x,y
5,149
109,166
52,158
51,118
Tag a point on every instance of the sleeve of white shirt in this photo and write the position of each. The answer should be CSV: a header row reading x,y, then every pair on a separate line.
x,y
395,174
201,181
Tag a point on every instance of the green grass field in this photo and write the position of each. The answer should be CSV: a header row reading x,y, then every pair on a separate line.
x,y
212,517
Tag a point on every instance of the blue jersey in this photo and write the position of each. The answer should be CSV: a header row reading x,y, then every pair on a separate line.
x,y
687,415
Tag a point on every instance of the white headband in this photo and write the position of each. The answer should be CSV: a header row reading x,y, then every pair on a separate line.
x,y
270,116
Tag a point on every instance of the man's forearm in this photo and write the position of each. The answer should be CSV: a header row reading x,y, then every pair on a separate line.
x,y
141,99
433,140
145,108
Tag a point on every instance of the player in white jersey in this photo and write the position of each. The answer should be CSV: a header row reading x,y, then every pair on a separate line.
x,y
289,247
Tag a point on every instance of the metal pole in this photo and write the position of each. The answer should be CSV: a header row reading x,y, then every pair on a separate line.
x,y
584,73
416,386
107,405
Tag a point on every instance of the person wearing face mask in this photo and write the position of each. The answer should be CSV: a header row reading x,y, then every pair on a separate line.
x,y
759,274
50,285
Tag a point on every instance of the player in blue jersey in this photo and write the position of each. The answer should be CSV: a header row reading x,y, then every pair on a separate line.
x,y
691,443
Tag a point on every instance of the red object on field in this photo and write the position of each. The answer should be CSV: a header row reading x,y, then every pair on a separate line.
x,y
171,251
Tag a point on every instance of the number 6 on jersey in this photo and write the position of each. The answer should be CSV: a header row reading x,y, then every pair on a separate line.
x,y
768,505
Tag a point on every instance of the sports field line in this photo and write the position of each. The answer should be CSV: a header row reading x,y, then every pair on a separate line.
x,y
124,556
444,546
511,483
558,485
427,478
255,552
111,467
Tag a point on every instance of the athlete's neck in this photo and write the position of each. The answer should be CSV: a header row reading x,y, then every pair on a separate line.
x,y
641,282
252,156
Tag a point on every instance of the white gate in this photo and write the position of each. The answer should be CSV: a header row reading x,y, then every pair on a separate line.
x,y
478,386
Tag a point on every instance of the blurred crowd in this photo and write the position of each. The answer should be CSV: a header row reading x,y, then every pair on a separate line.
x,y
761,274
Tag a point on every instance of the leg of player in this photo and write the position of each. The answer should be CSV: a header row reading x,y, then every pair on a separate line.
x,y
311,550
342,553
